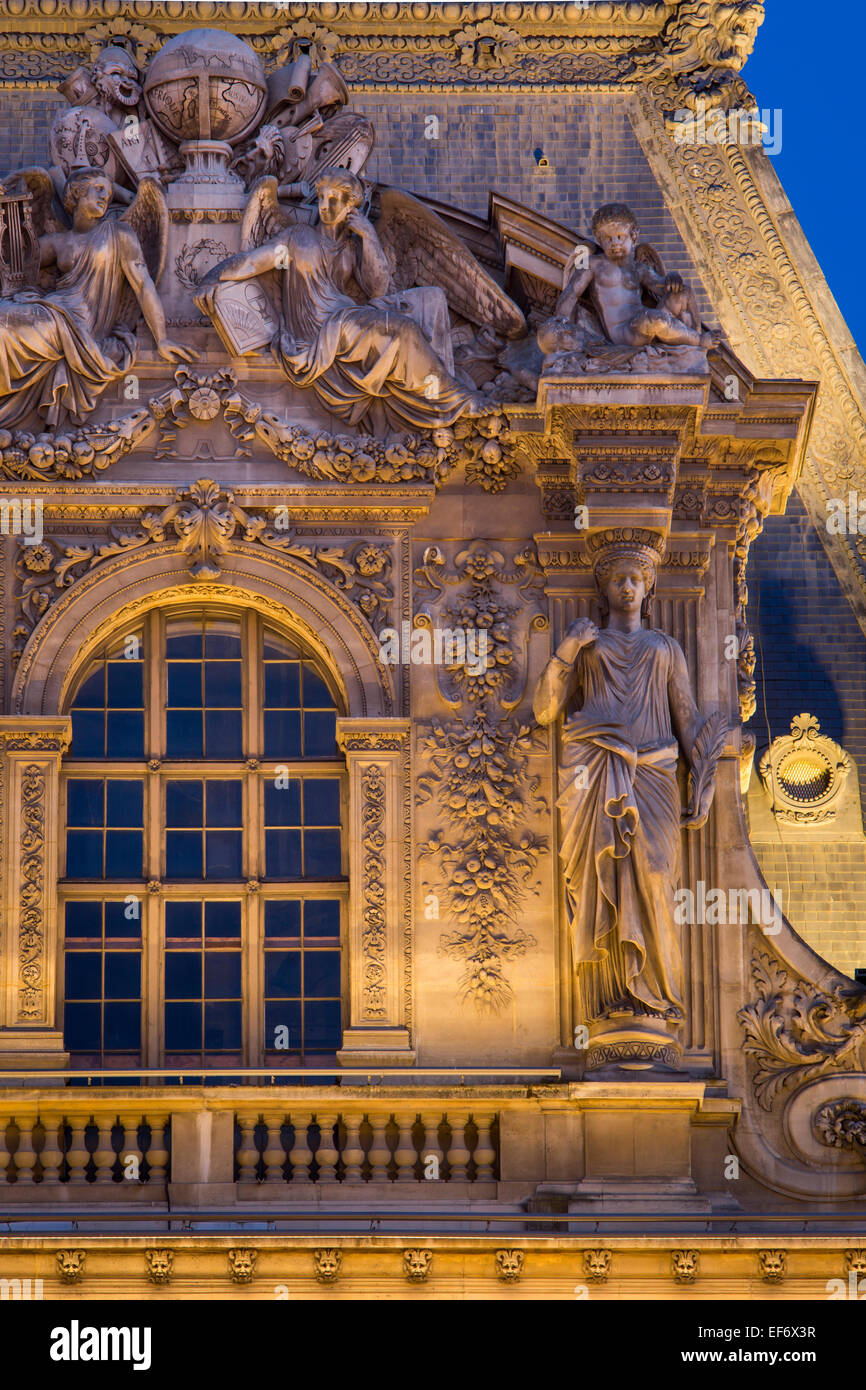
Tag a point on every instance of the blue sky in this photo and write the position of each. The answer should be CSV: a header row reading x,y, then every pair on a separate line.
x,y
808,63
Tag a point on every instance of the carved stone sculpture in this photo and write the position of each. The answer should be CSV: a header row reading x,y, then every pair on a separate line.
x,y
60,348
102,96
619,803
634,318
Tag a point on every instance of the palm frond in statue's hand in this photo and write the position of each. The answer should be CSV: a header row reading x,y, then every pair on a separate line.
x,y
709,744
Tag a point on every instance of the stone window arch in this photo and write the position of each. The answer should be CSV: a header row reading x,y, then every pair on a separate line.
x,y
203,881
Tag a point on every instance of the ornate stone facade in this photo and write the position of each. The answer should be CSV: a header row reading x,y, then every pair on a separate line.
x,y
484,483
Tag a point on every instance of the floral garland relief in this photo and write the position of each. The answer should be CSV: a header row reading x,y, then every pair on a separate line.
x,y
485,855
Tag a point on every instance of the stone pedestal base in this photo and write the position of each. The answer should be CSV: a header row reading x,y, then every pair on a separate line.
x,y
636,1045
376,1047
31,1049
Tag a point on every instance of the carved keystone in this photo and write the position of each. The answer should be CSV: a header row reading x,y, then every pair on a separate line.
x,y
242,1265
684,1265
159,1265
70,1265
596,1265
327,1264
773,1264
417,1265
509,1265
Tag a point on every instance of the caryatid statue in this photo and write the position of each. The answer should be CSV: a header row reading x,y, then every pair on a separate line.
x,y
629,711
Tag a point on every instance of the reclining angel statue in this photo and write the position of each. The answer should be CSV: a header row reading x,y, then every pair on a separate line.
x,y
61,347
619,311
364,309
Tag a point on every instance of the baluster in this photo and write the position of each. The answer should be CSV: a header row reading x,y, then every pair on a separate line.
x,y
274,1155
431,1122
405,1156
301,1155
51,1155
458,1153
77,1155
247,1153
353,1151
4,1154
103,1154
158,1153
379,1154
130,1148
25,1154
327,1153
485,1153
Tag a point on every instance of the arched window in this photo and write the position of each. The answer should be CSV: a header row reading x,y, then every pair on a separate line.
x,y
203,878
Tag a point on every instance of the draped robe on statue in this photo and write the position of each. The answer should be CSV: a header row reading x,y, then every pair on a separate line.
x,y
356,354
52,346
619,804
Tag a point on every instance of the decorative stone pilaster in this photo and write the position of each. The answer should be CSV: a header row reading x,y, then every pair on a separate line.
x,y
30,1028
377,755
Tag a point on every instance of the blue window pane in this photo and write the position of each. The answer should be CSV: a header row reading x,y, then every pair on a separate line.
x,y
125,803
84,802
88,733
223,731
83,919
283,918
282,974
123,1027
82,1029
322,854
183,734
322,1030
222,1027
222,975
84,854
275,647
183,975
125,735
321,801
283,804
183,854
122,975
222,920
124,684
124,851
283,1013
316,693
222,684
283,853
184,684
183,919
118,925
320,735
184,803
222,640
184,644
322,974
282,685
223,854
182,1027
91,695
224,802
83,975
321,918
282,734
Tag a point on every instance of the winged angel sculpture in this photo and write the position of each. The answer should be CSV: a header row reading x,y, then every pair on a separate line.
x,y
61,344
363,300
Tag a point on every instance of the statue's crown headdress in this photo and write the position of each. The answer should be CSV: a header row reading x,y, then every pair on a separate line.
x,y
645,547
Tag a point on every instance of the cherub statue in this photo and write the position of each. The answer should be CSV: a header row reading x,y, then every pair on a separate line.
x,y
60,347
632,305
358,327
